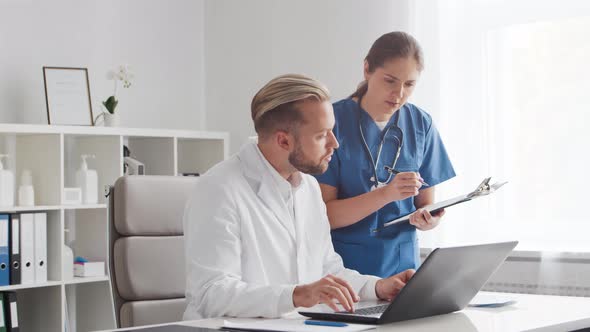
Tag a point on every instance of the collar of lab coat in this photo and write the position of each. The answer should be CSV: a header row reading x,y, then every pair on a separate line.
x,y
265,181
287,187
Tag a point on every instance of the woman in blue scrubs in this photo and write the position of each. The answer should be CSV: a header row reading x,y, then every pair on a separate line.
x,y
378,130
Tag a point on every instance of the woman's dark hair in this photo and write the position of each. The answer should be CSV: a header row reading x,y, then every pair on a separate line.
x,y
391,45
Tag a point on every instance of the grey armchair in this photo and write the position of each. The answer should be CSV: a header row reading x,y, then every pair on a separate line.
x,y
146,248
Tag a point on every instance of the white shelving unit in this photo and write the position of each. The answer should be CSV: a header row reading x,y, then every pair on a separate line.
x,y
52,153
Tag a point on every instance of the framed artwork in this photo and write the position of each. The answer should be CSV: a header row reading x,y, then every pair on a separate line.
x,y
67,96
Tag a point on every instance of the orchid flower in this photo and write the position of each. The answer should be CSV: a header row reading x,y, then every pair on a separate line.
x,y
122,73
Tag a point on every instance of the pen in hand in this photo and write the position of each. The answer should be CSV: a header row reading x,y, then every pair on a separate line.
x,y
393,171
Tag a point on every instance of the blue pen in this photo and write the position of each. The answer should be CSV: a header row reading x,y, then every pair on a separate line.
x,y
324,323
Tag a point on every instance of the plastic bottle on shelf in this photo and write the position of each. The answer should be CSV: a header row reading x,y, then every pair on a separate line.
x,y
26,193
6,184
87,180
67,262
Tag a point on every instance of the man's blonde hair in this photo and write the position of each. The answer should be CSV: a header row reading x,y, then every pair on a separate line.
x,y
274,106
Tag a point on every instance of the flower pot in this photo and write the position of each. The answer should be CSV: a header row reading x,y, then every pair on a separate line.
x,y
111,120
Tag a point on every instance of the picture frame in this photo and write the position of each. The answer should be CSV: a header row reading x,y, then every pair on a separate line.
x,y
67,96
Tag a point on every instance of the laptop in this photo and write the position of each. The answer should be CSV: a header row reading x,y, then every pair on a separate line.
x,y
447,280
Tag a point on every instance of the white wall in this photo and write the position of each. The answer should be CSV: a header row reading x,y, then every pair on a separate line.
x,y
249,42
161,40
197,63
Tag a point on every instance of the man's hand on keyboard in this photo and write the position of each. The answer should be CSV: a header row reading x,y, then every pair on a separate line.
x,y
329,290
388,288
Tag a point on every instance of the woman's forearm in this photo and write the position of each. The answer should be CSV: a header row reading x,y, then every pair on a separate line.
x,y
345,212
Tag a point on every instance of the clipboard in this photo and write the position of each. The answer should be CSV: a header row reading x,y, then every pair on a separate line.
x,y
484,189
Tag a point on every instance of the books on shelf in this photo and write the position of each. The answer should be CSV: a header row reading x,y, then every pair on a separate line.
x,y
4,247
23,248
8,312
89,269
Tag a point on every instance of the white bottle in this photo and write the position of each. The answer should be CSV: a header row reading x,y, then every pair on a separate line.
x,y
6,184
67,262
26,193
87,180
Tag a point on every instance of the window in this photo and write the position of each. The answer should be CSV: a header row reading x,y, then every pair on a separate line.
x,y
507,84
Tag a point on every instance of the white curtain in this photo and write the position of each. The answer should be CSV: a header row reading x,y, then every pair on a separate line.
x,y
507,83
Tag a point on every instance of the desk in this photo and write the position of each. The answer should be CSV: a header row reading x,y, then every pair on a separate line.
x,y
531,312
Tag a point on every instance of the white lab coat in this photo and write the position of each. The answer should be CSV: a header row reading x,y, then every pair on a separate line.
x,y
244,252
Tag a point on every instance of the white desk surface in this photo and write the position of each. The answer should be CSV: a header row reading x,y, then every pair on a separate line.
x,y
530,313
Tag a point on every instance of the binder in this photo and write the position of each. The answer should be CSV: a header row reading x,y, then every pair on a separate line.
x,y
10,312
2,318
40,247
27,256
4,250
14,249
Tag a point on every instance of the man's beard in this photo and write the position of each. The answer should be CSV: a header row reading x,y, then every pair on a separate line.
x,y
297,159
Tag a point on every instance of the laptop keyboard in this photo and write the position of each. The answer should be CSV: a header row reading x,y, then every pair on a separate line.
x,y
370,310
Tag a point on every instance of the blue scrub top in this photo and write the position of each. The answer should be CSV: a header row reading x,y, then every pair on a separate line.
x,y
395,248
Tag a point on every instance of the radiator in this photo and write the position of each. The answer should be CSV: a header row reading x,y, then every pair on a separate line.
x,y
566,274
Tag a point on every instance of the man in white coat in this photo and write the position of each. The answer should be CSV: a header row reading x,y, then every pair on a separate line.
x,y
257,237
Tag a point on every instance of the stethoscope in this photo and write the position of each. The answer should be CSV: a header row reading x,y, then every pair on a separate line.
x,y
391,170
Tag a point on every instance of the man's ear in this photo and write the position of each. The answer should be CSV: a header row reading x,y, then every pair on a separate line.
x,y
284,140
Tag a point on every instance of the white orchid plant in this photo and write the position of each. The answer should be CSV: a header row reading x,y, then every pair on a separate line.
x,y
122,74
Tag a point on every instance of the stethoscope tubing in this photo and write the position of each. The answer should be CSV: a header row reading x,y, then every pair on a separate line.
x,y
375,179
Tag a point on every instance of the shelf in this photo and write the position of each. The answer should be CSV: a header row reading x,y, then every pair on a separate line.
x,y
89,306
53,155
84,280
107,161
51,208
156,153
30,208
9,128
28,286
84,207
198,155
76,280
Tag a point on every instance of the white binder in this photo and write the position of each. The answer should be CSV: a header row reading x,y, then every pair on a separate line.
x,y
27,243
40,247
